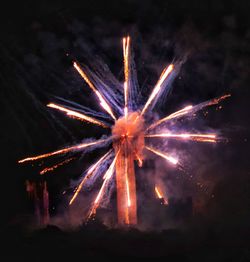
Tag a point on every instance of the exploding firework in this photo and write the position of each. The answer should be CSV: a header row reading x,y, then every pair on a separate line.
x,y
131,135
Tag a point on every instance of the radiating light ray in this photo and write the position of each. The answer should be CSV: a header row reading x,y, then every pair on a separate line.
x,y
176,114
64,150
77,115
158,86
103,103
126,45
49,169
186,136
107,176
89,174
189,110
171,159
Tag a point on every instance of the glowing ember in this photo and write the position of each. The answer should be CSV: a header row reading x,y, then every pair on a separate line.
x,y
128,137
49,169
160,195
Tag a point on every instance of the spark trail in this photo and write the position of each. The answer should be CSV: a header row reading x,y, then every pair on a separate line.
x,y
77,115
189,110
88,175
106,177
126,43
170,159
103,103
158,86
196,137
49,169
160,195
64,150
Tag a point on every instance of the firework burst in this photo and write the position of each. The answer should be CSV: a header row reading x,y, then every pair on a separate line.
x,y
131,135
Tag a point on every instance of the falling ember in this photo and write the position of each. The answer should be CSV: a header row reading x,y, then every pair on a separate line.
x,y
160,195
77,115
103,103
170,159
128,138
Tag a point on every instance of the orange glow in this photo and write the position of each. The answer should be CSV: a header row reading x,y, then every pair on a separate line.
x,y
171,159
103,103
63,151
77,115
158,86
129,139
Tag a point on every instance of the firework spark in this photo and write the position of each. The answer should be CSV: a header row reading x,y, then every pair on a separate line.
x,y
170,159
128,137
126,42
195,137
49,169
189,110
160,195
88,175
106,177
64,150
77,115
103,103
158,87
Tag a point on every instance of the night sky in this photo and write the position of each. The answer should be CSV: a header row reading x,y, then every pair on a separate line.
x,y
40,39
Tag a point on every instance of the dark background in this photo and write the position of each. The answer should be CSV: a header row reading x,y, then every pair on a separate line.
x,y
38,42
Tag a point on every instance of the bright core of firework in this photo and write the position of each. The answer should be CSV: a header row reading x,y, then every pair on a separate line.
x,y
131,135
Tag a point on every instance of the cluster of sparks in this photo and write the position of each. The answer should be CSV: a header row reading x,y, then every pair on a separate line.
x,y
150,130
